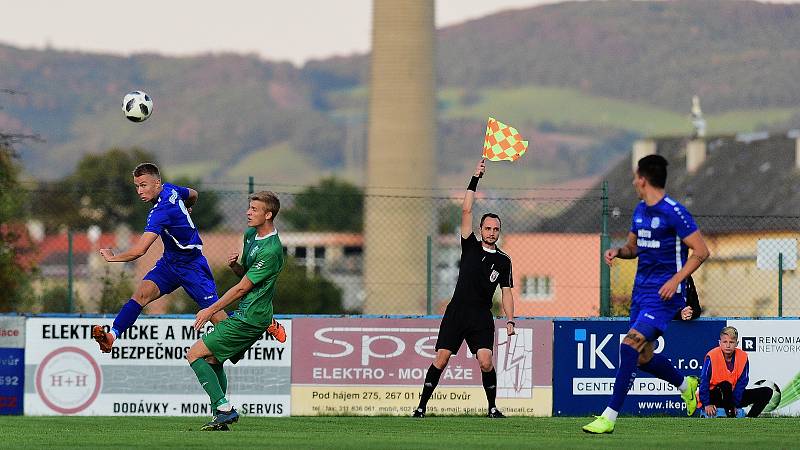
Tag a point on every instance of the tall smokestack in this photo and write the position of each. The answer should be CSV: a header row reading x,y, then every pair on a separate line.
x,y
400,162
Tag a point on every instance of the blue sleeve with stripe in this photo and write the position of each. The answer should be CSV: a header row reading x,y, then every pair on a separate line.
x,y
156,221
741,384
705,382
183,192
682,221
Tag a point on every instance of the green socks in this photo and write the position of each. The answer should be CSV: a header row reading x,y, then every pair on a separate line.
x,y
223,381
209,380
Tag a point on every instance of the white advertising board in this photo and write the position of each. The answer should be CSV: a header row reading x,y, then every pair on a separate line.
x,y
773,350
146,373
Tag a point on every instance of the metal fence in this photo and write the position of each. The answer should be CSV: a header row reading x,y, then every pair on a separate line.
x,y
390,254
751,273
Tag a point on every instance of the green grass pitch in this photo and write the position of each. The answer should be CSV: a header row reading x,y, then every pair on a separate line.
x,y
396,433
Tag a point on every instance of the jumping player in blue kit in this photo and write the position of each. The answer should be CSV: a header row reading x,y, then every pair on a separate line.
x,y
661,235
182,264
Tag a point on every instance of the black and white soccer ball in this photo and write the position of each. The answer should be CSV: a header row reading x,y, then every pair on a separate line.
x,y
776,394
137,106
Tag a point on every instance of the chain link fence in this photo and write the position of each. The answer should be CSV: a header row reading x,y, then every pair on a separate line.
x,y
751,273
352,252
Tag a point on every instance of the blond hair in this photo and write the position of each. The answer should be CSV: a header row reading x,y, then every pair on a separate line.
x,y
730,331
271,201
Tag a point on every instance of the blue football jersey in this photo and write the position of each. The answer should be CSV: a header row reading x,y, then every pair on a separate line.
x,y
170,219
659,231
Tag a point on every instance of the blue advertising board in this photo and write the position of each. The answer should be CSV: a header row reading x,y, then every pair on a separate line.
x,y
586,356
12,364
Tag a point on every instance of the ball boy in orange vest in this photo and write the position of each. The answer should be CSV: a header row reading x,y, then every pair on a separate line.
x,y
724,379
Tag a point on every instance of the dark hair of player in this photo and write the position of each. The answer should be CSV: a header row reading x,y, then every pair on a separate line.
x,y
147,168
653,168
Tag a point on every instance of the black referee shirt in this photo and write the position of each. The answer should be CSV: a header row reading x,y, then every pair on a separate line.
x,y
480,271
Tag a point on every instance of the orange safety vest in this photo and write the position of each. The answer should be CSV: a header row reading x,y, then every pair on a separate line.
x,y
719,369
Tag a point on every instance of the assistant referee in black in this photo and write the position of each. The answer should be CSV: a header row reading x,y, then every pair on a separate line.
x,y
469,316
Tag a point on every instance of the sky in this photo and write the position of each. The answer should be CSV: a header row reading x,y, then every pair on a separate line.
x,y
296,30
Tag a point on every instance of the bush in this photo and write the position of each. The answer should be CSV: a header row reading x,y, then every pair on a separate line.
x,y
117,288
299,293
55,298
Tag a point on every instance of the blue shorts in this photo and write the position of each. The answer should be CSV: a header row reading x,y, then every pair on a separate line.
x,y
193,276
650,315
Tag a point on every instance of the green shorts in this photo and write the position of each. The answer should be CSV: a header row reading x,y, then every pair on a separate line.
x,y
231,338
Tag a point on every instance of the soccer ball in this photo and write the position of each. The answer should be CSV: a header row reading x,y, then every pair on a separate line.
x,y
776,394
137,106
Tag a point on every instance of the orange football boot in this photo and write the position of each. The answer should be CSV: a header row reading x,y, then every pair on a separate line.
x,y
275,330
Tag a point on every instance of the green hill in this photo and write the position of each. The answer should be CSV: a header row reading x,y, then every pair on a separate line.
x,y
570,108
584,78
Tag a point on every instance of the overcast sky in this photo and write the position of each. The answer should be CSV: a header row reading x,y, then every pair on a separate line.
x,y
294,30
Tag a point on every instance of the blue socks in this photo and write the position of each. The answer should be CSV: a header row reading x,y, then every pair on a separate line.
x,y
659,366
126,317
628,357
662,368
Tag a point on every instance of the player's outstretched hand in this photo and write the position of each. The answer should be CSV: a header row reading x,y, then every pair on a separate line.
x,y
480,169
233,258
711,410
106,253
203,316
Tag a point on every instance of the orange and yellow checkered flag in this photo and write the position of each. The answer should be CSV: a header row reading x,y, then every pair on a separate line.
x,y
502,143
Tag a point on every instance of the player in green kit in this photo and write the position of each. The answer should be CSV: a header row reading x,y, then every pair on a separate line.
x,y
262,261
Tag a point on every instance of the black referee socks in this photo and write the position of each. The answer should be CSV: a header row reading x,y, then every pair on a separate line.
x,y
431,380
490,386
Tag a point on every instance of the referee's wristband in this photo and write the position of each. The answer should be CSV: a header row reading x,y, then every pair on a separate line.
x,y
511,322
473,184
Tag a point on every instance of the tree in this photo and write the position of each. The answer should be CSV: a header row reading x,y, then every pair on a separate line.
x,y
334,205
299,293
14,275
116,287
101,192
103,186
449,218
55,299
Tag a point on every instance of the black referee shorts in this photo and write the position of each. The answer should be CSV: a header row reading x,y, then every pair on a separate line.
x,y
466,324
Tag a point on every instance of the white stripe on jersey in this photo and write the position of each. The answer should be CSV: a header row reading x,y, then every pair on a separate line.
x,y
510,270
500,252
183,247
678,262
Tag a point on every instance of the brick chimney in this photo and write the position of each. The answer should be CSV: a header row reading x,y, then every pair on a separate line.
x,y
797,153
695,154
642,148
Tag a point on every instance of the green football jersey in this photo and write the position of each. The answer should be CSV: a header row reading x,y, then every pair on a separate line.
x,y
263,260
